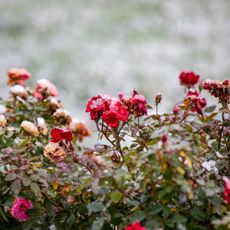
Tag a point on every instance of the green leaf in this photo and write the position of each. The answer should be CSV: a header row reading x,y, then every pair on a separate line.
x,y
95,207
217,201
26,181
36,190
16,187
138,216
156,209
197,214
210,109
71,220
116,196
208,118
11,177
98,224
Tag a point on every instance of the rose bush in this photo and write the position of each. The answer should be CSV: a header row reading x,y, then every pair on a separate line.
x,y
158,171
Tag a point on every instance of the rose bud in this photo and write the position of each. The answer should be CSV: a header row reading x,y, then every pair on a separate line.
x,y
158,99
176,110
164,138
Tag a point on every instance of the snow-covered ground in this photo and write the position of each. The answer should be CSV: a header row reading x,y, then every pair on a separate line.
x,y
88,47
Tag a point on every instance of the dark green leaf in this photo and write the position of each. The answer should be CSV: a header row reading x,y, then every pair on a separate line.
x,y
11,177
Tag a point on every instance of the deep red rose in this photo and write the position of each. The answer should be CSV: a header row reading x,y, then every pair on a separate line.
x,y
111,119
207,85
197,102
225,82
219,89
120,110
115,113
59,134
189,79
135,226
226,190
193,94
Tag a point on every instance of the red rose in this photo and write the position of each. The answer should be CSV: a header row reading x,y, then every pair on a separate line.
x,y
115,113
226,190
111,119
197,102
59,134
120,110
96,105
207,85
219,89
139,104
189,79
136,104
225,82
135,226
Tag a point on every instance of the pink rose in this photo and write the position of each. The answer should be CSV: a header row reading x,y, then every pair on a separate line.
x,y
135,226
18,76
226,190
19,209
44,89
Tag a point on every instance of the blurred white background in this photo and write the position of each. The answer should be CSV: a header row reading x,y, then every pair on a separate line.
x,y
87,47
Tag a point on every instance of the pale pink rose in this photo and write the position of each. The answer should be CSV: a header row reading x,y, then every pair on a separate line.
x,y
44,89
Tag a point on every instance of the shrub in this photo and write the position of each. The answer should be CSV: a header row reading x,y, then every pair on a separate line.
x,y
158,171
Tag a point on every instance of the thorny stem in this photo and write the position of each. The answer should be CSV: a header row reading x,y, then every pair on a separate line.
x,y
221,132
104,134
116,133
124,123
85,166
